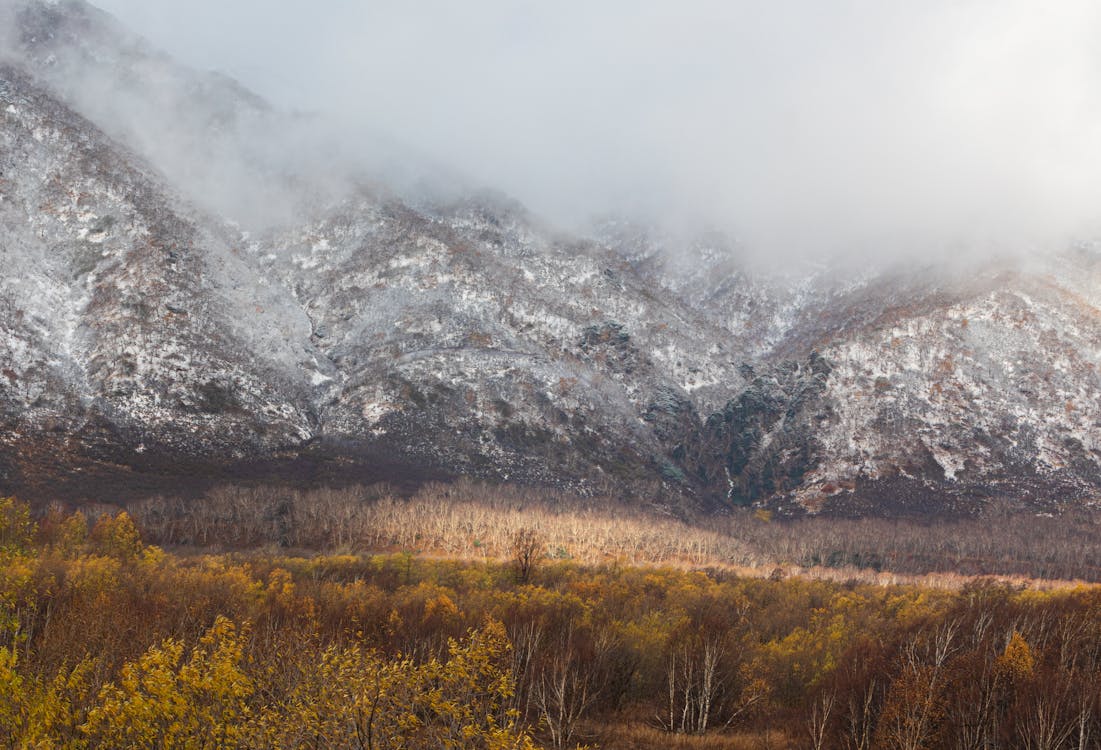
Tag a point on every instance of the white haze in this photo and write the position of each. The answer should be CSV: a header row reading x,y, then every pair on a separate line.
x,y
892,127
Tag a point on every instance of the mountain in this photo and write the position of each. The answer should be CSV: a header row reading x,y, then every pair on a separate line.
x,y
181,303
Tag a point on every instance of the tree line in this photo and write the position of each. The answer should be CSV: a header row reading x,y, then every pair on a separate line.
x,y
475,520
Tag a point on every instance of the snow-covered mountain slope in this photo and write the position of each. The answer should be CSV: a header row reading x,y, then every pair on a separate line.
x,y
126,315
140,331
147,340
467,332
939,397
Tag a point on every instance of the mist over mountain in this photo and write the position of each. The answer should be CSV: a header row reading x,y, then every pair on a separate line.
x,y
805,130
849,284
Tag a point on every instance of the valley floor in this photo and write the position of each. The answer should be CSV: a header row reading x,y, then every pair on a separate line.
x,y
108,641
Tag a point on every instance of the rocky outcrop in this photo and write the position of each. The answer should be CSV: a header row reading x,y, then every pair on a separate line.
x,y
763,443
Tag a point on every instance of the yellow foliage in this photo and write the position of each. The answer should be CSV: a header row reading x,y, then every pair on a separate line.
x,y
90,574
352,697
16,527
64,535
1016,662
73,533
41,714
163,701
13,692
117,536
378,652
54,716
16,579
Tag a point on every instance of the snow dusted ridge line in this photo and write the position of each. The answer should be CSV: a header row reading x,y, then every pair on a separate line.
x,y
144,338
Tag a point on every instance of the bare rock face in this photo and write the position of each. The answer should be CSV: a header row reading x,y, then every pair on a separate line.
x,y
156,334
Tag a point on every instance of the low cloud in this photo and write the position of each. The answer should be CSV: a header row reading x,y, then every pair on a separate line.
x,y
799,127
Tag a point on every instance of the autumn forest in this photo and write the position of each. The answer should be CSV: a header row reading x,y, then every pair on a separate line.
x,y
111,641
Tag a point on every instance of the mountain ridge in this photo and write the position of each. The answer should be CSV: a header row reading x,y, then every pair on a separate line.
x,y
151,343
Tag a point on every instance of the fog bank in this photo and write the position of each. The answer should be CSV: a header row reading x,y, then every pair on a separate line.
x,y
797,126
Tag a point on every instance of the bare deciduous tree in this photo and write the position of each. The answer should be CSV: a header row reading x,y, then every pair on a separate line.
x,y
527,548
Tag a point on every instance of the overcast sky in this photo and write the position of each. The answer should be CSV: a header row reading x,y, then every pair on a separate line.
x,y
810,124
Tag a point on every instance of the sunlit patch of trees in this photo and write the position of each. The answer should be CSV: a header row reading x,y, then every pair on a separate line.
x,y
472,520
107,641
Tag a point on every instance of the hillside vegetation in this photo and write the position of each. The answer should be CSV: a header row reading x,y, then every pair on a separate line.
x,y
110,642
